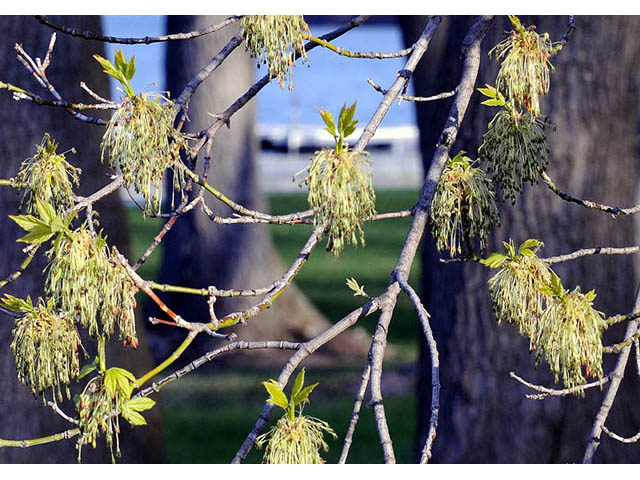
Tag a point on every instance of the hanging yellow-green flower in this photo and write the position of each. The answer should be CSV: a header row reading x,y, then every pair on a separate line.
x,y
570,335
96,293
140,139
45,346
524,72
515,289
275,40
296,439
340,185
463,207
48,176
515,149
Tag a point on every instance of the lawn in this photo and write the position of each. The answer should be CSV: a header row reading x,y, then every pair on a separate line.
x,y
208,416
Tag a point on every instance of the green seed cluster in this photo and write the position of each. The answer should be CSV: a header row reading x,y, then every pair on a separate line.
x,y
515,149
45,346
463,206
97,413
341,193
96,293
524,71
570,338
295,441
515,294
48,176
140,140
275,40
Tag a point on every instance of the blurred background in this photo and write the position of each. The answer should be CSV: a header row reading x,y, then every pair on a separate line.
x,y
204,417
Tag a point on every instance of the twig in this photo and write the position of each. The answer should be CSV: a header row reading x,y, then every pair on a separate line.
x,y
423,316
567,35
633,439
134,41
347,53
355,414
54,406
411,98
207,357
552,392
30,251
591,251
587,203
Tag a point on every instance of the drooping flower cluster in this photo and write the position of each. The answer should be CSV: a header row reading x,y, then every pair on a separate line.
x,y
95,292
276,40
141,141
45,345
47,176
463,206
563,327
515,144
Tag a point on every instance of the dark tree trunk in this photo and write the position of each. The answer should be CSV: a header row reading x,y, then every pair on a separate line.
x,y
23,125
198,252
593,103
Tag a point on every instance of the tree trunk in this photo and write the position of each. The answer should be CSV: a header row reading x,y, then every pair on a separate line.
x,y
593,103
198,252
22,416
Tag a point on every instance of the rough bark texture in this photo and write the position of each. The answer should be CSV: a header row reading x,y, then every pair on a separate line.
x,y
23,125
593,103
198,252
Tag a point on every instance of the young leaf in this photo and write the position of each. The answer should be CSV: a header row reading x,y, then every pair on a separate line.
x,y
529,244
133,417
276,395
297,385
87,369
45,210
37,235
140,404
495,260
358,289
28,222
328,121
16,304
303,395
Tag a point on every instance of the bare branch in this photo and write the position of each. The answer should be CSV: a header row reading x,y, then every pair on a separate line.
x,y
591,251
135,41
355,414
552,392
633,439
587,203
411,98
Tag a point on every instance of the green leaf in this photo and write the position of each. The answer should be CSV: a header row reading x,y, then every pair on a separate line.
x,y
528,244
303,395
493,103
140,404
36,236
87,369
495,260
107,66
57,225
131,68
590,295
133,417
510,249
119,380
276,395
28,222
297,385
16,304
45,210
328,121
357,289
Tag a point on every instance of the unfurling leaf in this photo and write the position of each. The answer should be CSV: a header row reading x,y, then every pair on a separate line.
x,y
357,289
303,395
276,395
298,384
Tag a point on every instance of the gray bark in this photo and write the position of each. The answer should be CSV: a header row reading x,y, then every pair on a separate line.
x,y
23,125
592,101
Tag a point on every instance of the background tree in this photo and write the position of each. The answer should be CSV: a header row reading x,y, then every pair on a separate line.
x,y
594,155
22,415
